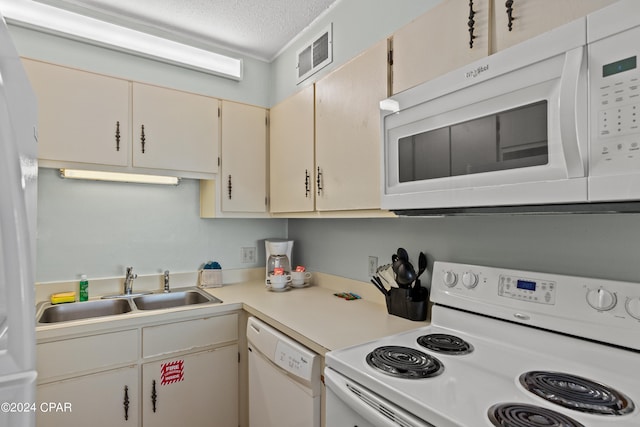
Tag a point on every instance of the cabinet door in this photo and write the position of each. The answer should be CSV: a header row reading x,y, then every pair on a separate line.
x,y
438,42
533,17
106,399
199,389
244,158
82,117
348,143
291,147
174,130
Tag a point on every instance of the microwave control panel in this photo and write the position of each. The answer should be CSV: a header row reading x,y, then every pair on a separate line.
x,y
614,73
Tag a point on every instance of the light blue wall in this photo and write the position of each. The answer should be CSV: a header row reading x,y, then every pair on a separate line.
x,y
99,228
593,245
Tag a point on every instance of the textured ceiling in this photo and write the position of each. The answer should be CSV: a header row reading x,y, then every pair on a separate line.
x,y
259,28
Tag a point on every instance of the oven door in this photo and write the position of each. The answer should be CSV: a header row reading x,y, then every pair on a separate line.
x,y
348,404
517,136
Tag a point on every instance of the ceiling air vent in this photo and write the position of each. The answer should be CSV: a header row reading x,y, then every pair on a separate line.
x,y
316,55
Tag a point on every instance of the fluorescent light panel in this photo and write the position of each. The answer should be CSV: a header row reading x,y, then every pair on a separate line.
x,y
118,177
52,19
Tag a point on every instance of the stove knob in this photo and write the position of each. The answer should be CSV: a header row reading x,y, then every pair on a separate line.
x,y
601,299
633,307
450,279
469,280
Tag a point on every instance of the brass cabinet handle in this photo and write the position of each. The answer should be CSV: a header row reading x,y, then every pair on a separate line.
x,y
143,139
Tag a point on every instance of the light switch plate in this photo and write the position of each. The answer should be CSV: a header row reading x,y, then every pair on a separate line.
x,y
249,255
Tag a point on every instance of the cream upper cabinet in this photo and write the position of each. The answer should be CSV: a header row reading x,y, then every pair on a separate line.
x,y
533,17
439,41
244,158
291,154
82,117
348,132
92,121
174,130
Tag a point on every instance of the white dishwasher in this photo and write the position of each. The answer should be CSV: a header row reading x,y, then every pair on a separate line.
x,y
284,379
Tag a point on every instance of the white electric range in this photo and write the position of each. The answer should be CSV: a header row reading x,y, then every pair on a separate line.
x,y
517,349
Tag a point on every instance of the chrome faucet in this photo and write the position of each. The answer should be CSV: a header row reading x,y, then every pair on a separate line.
x,y
128,281
166,281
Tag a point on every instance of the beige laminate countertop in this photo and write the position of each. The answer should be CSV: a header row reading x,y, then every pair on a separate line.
x,y
314,316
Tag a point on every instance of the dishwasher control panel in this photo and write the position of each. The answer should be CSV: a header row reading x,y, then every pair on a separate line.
x,y
292,360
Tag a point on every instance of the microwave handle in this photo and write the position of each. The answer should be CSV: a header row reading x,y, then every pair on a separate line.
x,y
573,111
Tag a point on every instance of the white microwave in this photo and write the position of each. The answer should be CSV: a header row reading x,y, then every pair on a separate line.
x,y
550,121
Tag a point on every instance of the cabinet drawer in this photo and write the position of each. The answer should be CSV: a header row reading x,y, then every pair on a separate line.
x,y
187,335
60,358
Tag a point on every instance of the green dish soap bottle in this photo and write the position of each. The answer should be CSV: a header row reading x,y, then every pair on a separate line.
x,y
84,288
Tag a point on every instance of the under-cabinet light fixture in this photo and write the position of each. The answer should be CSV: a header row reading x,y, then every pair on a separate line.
x,y
50,19
118,177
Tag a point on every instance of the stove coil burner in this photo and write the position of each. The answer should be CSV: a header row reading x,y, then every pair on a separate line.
x,y
523,415
404,362
445,343
577,393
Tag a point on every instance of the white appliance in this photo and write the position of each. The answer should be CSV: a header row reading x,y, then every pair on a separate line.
x,y
513,128
284,380
505,348
278,255
18,184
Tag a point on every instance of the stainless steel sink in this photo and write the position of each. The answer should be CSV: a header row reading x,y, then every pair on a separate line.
x,y
173,299
85,310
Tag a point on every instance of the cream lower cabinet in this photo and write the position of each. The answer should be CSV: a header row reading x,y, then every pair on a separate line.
x,y
165,374
198,389
291,156
105,399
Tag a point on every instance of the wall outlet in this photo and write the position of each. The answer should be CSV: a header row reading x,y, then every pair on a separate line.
x,y
249,255
373,265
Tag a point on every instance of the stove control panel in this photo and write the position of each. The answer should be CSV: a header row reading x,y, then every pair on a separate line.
x,y
582,306
527,289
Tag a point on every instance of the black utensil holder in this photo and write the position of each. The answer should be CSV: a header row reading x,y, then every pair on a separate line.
x,y
399,304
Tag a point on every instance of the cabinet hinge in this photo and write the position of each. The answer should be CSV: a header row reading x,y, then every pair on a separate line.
x,y
218,161
238,357
390,57
219,112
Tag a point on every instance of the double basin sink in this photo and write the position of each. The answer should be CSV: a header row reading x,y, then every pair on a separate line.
x,y
48,313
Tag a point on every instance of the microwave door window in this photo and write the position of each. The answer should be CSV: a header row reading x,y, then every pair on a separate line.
x,y
426,155
511,139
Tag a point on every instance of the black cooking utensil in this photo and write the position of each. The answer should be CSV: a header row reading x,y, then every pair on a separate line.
x,y
422,264
405,275
402,254
378,284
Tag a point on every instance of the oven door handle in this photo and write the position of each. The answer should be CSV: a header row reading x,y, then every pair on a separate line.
x,y
573,112
375,410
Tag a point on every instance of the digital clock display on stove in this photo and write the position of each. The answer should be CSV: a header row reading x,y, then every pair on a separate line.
x,y
527,285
